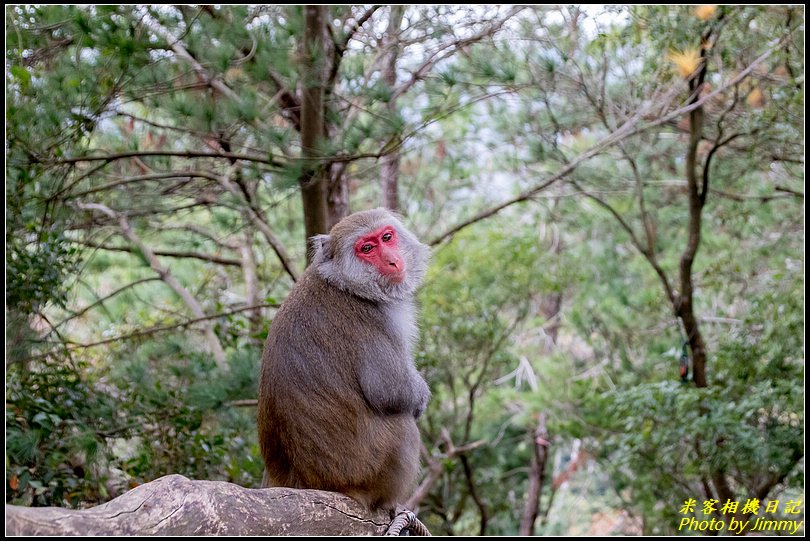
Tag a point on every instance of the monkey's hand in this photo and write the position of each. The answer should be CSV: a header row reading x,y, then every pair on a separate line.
x,y
422,396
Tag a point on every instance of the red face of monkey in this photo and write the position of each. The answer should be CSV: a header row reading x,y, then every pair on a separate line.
x,y
380,248
371,255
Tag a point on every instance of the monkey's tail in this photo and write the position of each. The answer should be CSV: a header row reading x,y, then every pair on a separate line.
x,y
406,520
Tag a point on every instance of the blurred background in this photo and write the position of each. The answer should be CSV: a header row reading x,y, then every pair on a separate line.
x,y
613,319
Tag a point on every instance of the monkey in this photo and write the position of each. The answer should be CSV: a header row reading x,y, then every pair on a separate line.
x,y
339,394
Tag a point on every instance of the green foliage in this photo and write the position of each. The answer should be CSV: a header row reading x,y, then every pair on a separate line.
x,y
185,425
472,316
75,435
56,418
36,270
663,438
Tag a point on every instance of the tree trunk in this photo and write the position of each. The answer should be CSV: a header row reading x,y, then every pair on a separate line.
x,y
389,163
696,344
697,198
389,179
176,506
337,199
312,180
251,286
536,477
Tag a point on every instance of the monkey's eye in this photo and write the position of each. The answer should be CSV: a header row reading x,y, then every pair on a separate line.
x,y
386,237
366,248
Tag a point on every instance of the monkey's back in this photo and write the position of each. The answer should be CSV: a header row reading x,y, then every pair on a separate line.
x,y
316,429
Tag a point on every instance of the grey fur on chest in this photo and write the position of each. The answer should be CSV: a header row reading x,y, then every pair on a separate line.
x,y
400,322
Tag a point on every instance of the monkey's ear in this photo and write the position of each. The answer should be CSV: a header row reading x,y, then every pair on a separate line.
x,y
321,247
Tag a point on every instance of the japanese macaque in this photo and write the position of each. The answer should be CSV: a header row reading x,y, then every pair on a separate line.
x,y
339,394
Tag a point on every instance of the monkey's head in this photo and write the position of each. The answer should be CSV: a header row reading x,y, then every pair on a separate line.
x,y
372,255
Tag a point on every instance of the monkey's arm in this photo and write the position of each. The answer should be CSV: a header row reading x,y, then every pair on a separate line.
x,y
392,390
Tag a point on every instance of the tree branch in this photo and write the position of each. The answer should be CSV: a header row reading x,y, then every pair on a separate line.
x,y
787,190
540,445
166,253
201,232
180,51
340,46
775,478
179,154
213,341
650,256
684,305
157,329
436,466
628,129
176,506
750,197
448,49
141,178
258,219
103,299
344,43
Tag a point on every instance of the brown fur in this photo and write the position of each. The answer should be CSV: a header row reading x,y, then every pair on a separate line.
x,y
338,393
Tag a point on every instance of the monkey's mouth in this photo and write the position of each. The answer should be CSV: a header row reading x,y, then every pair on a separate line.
x,y
396,277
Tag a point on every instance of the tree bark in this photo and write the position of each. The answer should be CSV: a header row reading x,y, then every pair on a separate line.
x,y
536,477
389,164
685,306
337,198
174,505
312,179
251,286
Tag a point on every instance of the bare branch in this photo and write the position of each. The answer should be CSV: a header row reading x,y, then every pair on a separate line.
x,y
166,253
718,144
633,238
526,194
448,49
103,299
166,276
259,220
785,189
540,445
158,329
340,46
651,258
436,466
360,21
141,178
179,154
180,51
201,232
749,197
630,128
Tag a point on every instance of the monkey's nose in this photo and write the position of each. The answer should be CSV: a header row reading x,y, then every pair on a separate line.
x,y
391,261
